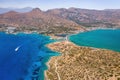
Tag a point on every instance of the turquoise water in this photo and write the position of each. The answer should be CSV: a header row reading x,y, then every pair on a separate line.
x,y
23,56
107,39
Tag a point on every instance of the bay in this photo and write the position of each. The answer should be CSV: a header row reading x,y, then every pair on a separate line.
x,y
102,38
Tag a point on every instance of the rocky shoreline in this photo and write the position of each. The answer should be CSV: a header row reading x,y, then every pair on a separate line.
x,y
82,63
66,54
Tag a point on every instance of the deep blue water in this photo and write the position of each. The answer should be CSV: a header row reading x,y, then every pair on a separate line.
x,y
107,39
23,56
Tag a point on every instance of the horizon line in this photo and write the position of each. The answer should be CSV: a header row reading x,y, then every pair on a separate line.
x,y
60,8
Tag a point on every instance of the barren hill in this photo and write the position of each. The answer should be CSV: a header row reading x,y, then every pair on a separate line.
x,y
56,21
38,20
90,18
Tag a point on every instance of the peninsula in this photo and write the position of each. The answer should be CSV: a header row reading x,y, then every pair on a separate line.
x,y
74,62
82,63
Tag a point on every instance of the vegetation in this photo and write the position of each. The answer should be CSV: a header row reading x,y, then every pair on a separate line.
x,y
83,63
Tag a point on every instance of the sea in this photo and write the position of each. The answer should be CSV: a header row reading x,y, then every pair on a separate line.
x,y
101,38
24,56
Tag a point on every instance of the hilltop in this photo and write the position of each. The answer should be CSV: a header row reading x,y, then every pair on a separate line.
x,y
90,18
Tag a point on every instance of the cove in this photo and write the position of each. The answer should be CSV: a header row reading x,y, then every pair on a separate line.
x,y
23,56
102,38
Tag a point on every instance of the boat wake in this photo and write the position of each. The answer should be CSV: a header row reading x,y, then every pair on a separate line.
x,y
17,48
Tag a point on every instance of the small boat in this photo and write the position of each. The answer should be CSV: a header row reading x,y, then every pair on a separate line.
x,y
17,48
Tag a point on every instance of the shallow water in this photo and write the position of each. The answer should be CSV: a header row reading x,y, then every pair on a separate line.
x,y
106,39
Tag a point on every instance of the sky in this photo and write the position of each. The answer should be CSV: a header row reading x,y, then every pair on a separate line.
x,y
50,4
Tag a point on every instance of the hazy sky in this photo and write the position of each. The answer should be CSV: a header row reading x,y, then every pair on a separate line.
x,y
49,4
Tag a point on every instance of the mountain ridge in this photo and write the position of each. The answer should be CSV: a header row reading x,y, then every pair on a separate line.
x,y
90,18
21,10
38,20
61,20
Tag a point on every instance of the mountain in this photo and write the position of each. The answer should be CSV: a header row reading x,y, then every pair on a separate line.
x,y
38,20
89,18
4,10
59,21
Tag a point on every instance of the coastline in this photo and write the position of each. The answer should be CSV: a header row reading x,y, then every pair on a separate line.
x,y
45,43
65,45
47,63
111,31
93,49
45,74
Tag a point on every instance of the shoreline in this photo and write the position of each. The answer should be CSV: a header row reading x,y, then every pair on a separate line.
x,y
64,43
93,49
45,74
103,48
47,63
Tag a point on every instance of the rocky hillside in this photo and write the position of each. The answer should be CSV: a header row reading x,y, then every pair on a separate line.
x,y
90,18
38,20
60,21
